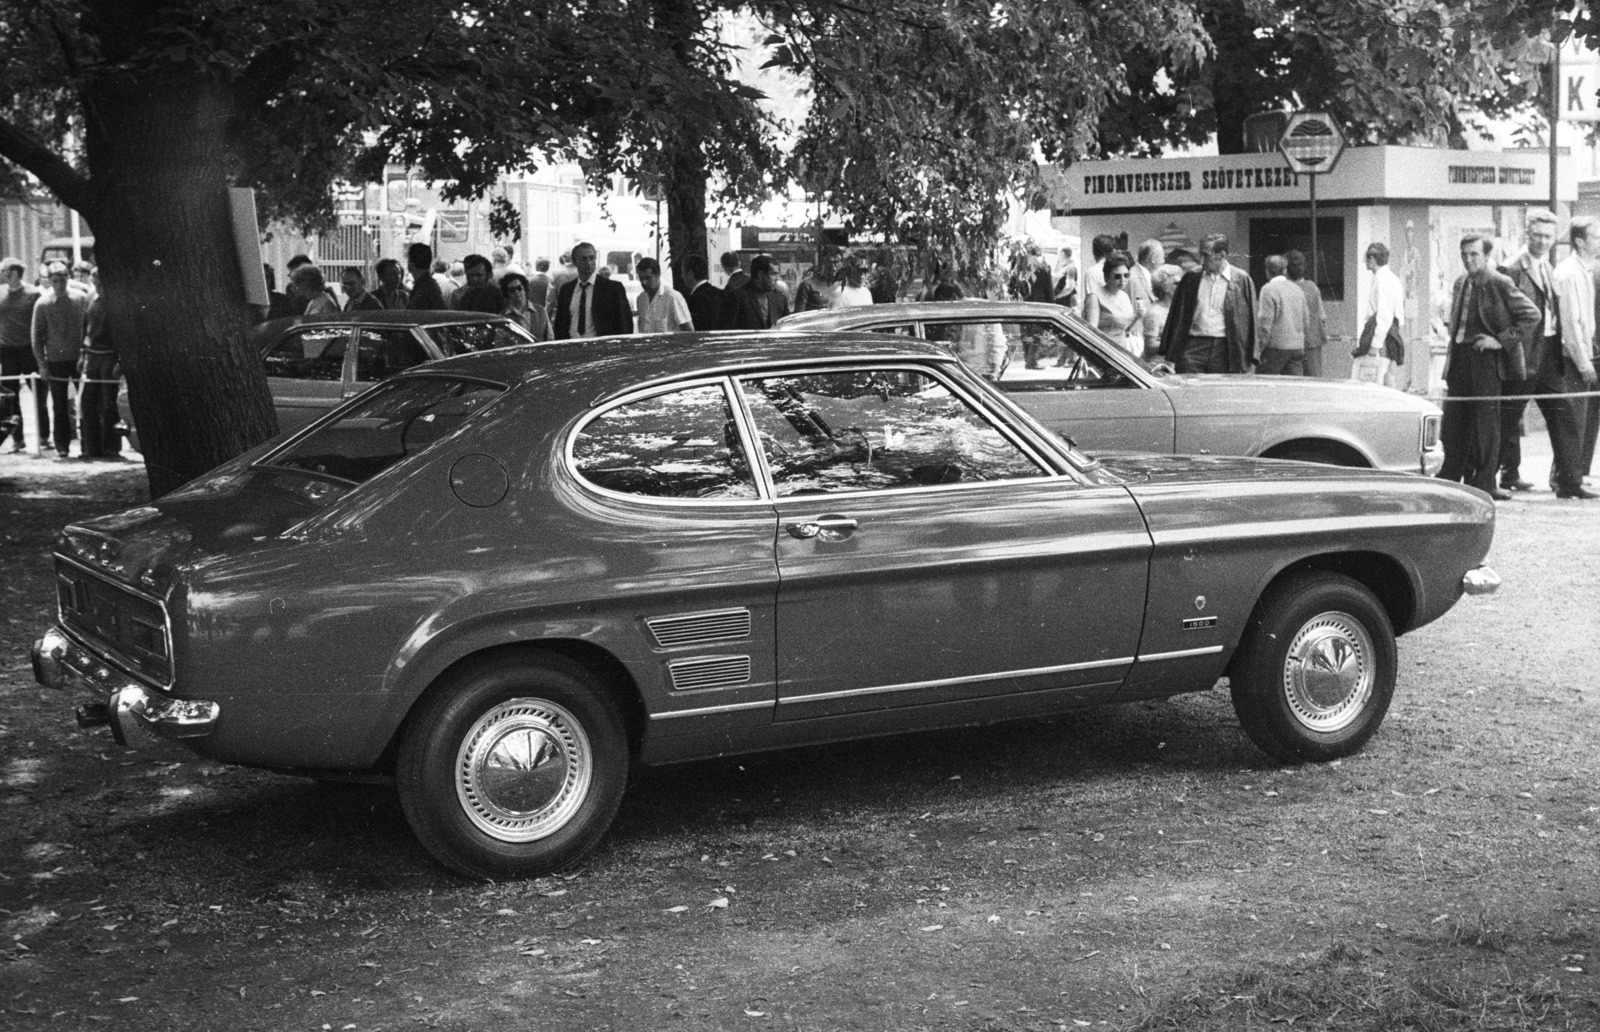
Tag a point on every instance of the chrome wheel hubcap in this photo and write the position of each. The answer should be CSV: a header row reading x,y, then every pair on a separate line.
x,y
523,770
1329,673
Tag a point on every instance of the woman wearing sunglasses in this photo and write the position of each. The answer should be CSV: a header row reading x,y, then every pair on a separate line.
x,y
1110,308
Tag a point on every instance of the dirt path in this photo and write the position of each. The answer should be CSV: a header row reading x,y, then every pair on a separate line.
x,y
1133,866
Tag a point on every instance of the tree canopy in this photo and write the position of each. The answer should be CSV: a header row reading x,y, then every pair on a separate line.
x,y
924,115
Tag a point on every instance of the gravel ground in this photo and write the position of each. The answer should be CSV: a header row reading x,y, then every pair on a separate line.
x,y
1130,867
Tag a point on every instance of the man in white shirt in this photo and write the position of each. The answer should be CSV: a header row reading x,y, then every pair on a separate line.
x,y
1532,274
1570,366
1152,255
1386,303
1212,325
660,309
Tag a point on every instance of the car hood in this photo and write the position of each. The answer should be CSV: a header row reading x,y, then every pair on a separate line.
x,y
1198,394
143,545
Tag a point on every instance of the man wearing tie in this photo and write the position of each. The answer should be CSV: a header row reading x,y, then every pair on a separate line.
x,y
1532,274
1489,321
590,305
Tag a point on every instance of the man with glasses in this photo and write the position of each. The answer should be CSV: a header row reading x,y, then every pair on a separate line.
x,y
1212,325
60,320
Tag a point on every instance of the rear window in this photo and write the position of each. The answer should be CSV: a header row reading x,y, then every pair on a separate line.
x,y
390,423
461,338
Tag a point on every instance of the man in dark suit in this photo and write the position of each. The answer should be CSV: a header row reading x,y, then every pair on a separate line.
x,y
1211,327
1532,274
590,305
757,304
705,301
1490,320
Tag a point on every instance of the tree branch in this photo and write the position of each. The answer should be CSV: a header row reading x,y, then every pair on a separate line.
x,y
66,182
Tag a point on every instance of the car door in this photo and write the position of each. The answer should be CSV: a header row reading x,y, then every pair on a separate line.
x,y
1069,381
306,373
926,554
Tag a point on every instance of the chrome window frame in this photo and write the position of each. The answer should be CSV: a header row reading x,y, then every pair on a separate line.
x,y
1048,469
763,495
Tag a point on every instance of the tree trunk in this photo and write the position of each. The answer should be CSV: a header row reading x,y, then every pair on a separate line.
x,y
685,173
686,204
174,296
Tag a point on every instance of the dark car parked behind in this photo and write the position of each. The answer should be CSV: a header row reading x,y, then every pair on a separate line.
x,y
316,363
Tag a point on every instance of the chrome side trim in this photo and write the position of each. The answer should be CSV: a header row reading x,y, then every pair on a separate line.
x,y
705,711
1286,528
1097,664
1156,657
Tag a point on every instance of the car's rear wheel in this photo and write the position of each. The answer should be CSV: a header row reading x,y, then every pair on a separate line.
x,y
513,767
1315,669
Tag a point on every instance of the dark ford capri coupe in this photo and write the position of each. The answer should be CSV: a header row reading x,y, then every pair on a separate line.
x,y
502,579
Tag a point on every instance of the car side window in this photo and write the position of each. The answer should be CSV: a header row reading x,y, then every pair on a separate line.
x,y
312,354
463,338
900,330
678,444
875,430
380,353
1041,356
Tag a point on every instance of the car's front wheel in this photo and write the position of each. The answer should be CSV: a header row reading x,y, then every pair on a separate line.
x,y
1315,669
513,767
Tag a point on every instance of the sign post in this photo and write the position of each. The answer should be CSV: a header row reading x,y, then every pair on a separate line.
x,y
1311,144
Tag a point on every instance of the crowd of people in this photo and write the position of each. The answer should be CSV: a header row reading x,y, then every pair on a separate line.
x,y
52,336
1526,329
1523,331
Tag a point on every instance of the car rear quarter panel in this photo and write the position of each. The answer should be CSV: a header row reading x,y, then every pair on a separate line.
x,y
317,648
1219,544
1253,416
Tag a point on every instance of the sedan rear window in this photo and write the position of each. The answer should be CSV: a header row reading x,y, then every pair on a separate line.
x,y
462,338
392,422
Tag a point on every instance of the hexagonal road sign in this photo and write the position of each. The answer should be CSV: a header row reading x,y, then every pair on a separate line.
x,y
1312,142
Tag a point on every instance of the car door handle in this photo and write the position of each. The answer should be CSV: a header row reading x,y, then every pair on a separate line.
x,y
829,528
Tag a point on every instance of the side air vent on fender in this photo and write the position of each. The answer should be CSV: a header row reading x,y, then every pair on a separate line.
x,y
699,628
709,672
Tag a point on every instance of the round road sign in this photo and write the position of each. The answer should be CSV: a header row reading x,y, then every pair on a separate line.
x,y
1311,143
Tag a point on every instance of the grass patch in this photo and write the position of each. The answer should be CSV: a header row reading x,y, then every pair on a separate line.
x,y
1347,990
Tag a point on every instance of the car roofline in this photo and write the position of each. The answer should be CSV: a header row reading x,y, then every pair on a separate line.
x,y
747,368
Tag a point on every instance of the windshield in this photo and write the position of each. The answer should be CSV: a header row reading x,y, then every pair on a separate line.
x,y
389,423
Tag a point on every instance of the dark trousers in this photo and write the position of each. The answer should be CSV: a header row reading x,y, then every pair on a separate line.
x,y
1313,361
1279,362
20,362
1470,430
1203,355
61,374
1589,420
1511,429
1563,418
97,407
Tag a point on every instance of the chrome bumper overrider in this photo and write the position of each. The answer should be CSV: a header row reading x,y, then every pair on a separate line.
x,y
1481,581
60,662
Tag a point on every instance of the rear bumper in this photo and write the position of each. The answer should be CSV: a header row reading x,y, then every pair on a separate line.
x,y
129,707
